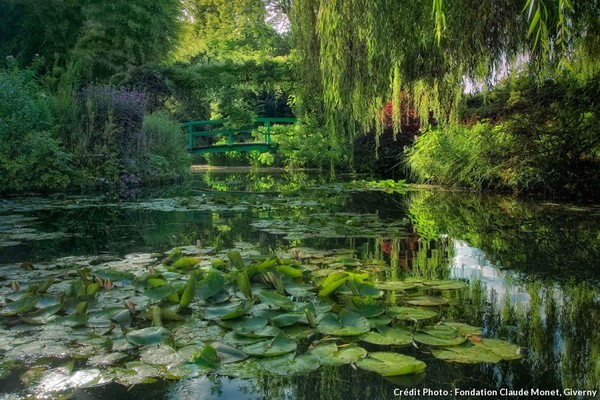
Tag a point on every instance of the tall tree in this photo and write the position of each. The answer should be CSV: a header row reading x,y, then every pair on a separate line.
x,y
118,34
370,51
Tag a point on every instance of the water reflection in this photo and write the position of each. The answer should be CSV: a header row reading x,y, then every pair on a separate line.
x,y
532,270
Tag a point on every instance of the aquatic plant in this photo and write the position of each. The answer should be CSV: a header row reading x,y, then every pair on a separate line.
x,y
282,315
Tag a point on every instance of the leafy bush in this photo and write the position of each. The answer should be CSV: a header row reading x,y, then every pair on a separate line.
x,y
166,149
30,158
533,139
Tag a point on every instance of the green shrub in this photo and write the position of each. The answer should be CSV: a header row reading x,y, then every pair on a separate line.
x,y
534,139
30,157
166,150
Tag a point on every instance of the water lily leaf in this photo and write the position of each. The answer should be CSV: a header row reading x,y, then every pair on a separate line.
x,y
410,313
332,355
347,323
148,336
188,292
426,301
289,271
289,364
464,329
397,285
207,358
391,364
255,328
160,355
485,351
211,284
445,284
380,320
184,264
228,354
366,306
236,259
135,373
279,345
275,299
387,336
228,311
24,304
332,283
243,282
439,335
233,338
159,292
114,275
266,264
48,301
360,289
43,315
286,319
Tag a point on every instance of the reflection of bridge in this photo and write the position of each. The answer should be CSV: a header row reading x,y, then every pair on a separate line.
x,y
200,129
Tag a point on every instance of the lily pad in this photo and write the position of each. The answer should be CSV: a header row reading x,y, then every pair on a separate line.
x,y
347,323
289,364
275,299
332,355
396,285
391,364
485,351
366,306
389,336
211,284
148,336
410,313
445,285
279,345
439,335
426,301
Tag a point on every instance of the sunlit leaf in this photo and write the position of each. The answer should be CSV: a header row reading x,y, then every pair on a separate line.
x,y
391,364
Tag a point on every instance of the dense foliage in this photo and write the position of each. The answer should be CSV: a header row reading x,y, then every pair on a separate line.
x,y
521,136
365,53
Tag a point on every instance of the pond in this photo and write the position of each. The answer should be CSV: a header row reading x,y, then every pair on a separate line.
x,y
242,285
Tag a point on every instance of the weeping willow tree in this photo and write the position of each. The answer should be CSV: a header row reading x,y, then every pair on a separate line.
x,y
355,55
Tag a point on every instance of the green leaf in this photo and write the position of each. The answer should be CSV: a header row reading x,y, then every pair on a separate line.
x,y
275,299
396,285
439,335
389,336
26,303
426,301
243,282
279,345
286,319
366,306
210,285
445,285
228,354
486,351
148,336
159,292
347,323
332,355
236,259
391,364
410,313
290,364
289,271
207,358
332,282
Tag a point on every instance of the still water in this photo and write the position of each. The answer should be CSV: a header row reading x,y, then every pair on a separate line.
x,y
531,268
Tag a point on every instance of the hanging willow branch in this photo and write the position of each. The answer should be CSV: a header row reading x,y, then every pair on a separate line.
x,y
365,52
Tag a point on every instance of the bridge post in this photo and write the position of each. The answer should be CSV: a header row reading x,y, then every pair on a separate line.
x,y
268,133
190,137
230,138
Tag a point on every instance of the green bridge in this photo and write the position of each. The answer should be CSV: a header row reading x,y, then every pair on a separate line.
x,y
205,129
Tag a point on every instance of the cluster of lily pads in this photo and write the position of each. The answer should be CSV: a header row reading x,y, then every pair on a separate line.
x,y
195,312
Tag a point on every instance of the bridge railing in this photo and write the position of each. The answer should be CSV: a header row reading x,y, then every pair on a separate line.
x,y
195,129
